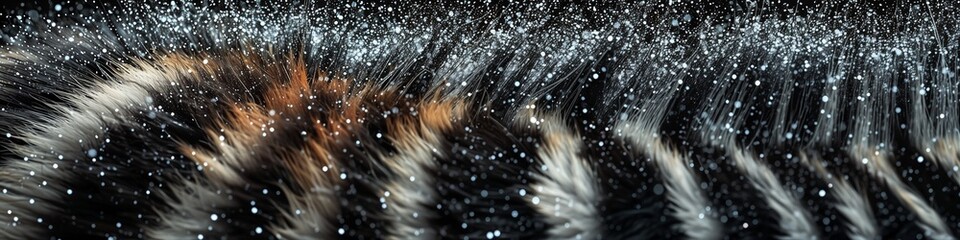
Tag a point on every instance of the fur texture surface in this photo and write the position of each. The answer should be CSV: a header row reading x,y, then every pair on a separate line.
x,y
479,120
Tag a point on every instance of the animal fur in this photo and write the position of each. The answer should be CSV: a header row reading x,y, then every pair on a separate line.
x,y
184,120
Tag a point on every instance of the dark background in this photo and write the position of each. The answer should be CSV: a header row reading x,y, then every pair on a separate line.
x,y
716,8
871,15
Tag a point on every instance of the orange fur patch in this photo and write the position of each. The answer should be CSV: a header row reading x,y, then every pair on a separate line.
x,y
329,109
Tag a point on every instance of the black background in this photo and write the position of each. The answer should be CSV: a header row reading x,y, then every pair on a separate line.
x,y
716,8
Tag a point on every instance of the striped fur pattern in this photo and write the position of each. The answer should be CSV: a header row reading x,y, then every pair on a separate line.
x,y
182,120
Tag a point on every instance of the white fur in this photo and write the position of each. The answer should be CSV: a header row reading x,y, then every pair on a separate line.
x,y
80,123
689,205
878,167
411,186
188,216
851,204
315,207
794,220
856,209
566,192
